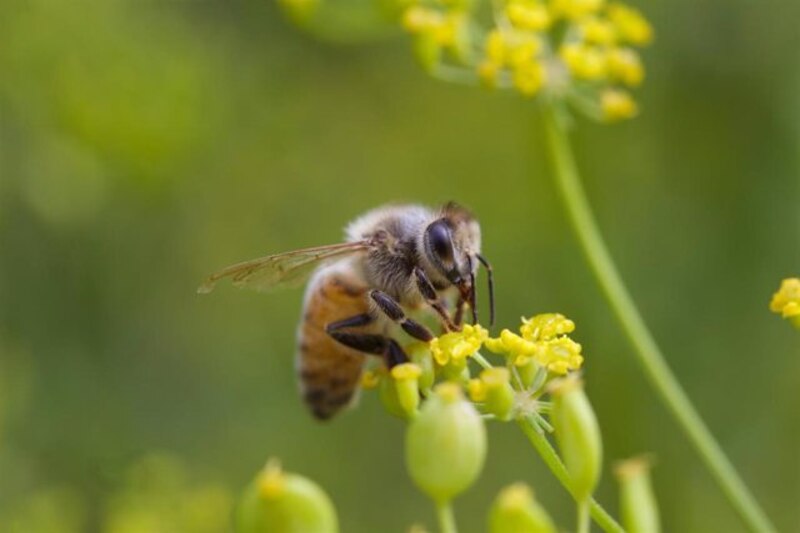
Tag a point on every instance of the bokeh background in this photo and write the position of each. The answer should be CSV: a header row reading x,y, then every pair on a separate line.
x,y
144,144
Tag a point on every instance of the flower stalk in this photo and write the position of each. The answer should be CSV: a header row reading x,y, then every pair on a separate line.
x,y
647,351
553,462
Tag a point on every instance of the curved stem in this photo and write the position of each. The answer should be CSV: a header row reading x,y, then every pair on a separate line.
x,y
558,469
447,521
661,377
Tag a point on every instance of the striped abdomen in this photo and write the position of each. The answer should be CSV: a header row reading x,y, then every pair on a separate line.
x,y
329,372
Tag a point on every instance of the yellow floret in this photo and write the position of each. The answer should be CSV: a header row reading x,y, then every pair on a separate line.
x,y
624,65
630,24
575,9
528,15
584,62
787,300
458,345
617,105
598,31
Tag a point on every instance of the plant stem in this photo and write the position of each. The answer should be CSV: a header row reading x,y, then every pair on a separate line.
x,y
447,521
550,457
649,355
583,517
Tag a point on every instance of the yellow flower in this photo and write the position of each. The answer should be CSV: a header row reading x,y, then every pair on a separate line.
x,y
624,65
476,389
528,15
456,346
417,19
489,72
787,300
584,62
575,9
370,379
598,31
544,339
617,105
631,25
496,47
559,355
546,326
528,78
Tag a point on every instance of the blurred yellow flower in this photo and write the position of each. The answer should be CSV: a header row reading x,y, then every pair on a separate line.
x,y
631,25
617,105
786,301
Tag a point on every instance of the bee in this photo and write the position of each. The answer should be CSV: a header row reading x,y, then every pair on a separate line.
x,y
395,260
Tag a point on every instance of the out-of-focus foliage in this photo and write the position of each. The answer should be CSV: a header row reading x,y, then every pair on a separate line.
x,y
145,144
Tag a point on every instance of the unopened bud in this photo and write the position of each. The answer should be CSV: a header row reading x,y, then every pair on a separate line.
x,y
515,510
499,393
406,379
638,507
578,435
279,502
445,444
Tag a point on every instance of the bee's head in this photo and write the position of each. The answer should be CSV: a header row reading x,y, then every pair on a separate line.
x,y
451,244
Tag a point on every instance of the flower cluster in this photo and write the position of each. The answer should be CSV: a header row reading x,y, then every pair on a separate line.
x,y
786,301
581,50
542,339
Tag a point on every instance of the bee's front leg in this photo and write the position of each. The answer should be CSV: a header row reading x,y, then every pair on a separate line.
x,y
431,298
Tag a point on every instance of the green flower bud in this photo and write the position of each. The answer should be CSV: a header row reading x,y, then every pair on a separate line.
x,y
428,51
387,392
516,511
445,444
406,381
638,506
420,355
499,393
278,502
578,435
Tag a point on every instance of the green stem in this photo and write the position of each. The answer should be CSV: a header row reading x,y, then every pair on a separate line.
x,y
447,521
648,352
583,517
550,457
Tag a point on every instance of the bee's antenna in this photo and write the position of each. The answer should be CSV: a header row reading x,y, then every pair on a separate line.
x,y
490,279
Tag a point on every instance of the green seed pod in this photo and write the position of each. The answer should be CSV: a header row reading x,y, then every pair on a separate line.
x,y
515,510
445,444
638,506
578,435
277,502
499,393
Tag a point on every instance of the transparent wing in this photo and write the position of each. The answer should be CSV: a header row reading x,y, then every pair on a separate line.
x,y
280,270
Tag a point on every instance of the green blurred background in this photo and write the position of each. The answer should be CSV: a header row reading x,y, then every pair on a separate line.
x,y
144,144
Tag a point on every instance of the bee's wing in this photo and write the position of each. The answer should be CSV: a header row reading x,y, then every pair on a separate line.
x,y
280,270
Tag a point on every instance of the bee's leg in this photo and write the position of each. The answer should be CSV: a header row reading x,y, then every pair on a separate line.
x,y
429,293
395,354
459,311
392,309
351,322
369,343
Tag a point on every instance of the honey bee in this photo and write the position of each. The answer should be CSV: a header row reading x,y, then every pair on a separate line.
x,y
395,260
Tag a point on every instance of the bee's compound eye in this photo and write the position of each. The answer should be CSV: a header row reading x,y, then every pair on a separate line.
x,y
439,241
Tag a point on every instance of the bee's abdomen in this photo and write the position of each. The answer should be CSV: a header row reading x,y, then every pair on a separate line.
x,y
329,372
